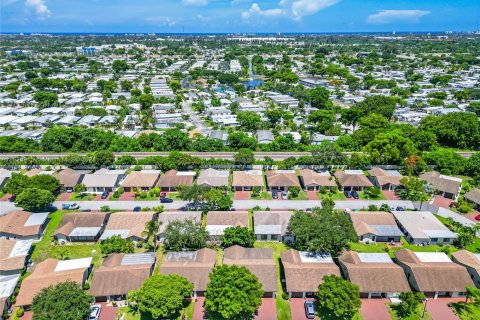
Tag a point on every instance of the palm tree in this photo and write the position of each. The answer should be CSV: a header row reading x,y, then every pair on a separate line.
x,y
151,230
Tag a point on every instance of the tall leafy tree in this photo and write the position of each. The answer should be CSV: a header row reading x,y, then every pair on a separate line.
x,y
162,296
151,230
233,292
116,244
338,298
182,235
34,199
66,300
238,236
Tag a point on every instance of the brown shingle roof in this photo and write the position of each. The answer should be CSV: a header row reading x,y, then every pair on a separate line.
x,y
14,223
468,259
258,260
80,220
374,276
44,276
113,278
441,182
305,276
194,266
383,177
245,179
68,178
133,221
352,180
165,218
435,276
272,218
8,263
171,179
213,178
227,218
140,179
473,195
282,179
312,178
363,220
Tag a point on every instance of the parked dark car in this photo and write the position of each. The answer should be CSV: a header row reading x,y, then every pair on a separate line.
x,y
347,194
137,209
275,195
309,309
166,200
87,210
355,195
400,209
105,194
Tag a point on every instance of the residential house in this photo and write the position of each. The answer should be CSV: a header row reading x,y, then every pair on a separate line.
x,y
213,178
282,180
128,225
446,186
352,180
315,181
165,218
422,227
375,274
259,261
103,180
69,178
265,137
23,225
120,274
471,261
218,221
375,226
433,273
195,266
13,255
80,227
141,180
304,271
51,272
385,179
473,196
247,180
272,226
172,179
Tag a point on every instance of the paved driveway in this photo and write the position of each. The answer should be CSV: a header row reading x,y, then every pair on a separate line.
x,y
375,309
441,202
64,196
297,308
267,311
390,195
312,195
439,309
199,310
127,196
241,195
108,312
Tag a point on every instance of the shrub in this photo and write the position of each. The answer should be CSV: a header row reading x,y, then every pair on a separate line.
x,y
19,312
464,208
104,208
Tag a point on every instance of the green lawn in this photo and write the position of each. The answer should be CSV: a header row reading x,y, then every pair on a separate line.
x,y
85,197
333,195
369,248
264,195
392,309
283,306
302,195
468,312
188,308
45,249
381,196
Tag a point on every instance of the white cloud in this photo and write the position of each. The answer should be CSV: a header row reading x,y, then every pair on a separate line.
x,y
195,2
162,21
294,9
40,8
389,16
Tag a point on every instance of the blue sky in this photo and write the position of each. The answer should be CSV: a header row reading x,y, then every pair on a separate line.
x,y
238,15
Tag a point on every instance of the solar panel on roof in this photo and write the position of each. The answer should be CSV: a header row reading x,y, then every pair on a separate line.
x,y
138,258
387,230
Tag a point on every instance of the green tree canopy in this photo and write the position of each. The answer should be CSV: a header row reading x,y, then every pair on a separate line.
x,y
66,300
34,199
238,236
319,98
390,148
244,157
116,244
45,182
322,230
182,235
16,183
338,298
233,292
162,295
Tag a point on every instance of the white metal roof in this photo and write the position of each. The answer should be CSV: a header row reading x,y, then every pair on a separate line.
x,y
268,229
138,258
374,258
123,233
216,230
36,219
354,172
65,265
432,257
186,173
85,232
313,257
8,284
21,248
